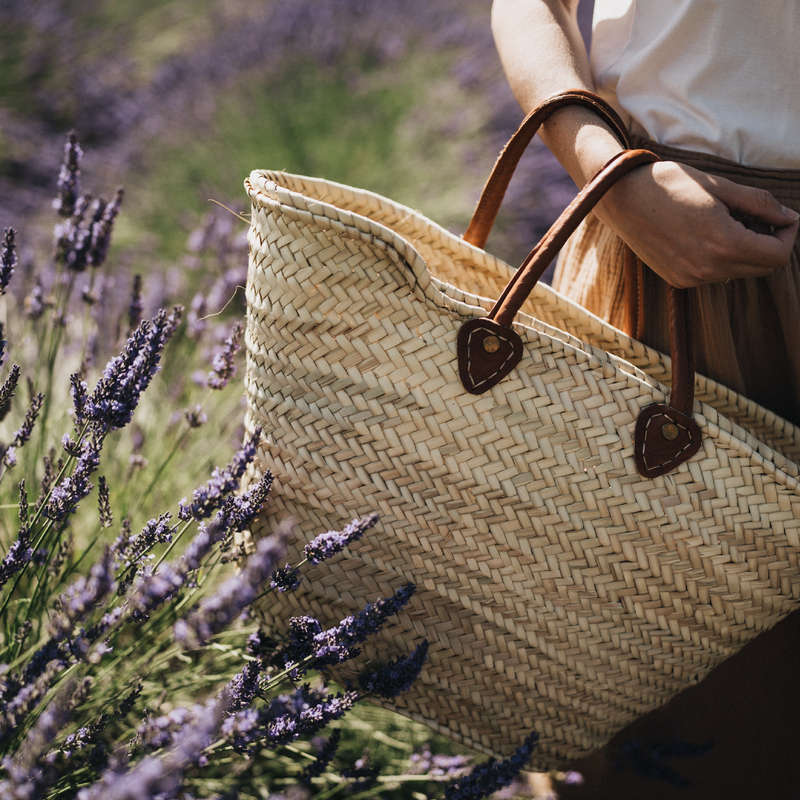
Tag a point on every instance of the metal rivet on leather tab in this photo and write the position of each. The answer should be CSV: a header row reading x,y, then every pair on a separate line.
x,y
670,431
491,344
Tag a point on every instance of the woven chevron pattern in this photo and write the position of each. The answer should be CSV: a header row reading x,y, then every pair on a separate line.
x,y
559,590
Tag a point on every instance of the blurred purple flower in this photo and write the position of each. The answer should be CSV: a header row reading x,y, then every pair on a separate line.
x,y
101,229
69,179
82,597
323,759
8,259
136,305
223,368
218,611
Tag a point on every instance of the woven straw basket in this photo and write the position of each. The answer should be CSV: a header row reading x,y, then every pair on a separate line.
x,y
559,589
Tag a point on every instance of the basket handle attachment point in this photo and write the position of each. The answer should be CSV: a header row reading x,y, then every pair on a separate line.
x,y
489,348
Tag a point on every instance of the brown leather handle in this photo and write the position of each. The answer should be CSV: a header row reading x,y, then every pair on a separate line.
x,y
527,276
488,347
494,190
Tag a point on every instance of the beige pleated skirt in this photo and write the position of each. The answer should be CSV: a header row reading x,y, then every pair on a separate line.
x,y
747,332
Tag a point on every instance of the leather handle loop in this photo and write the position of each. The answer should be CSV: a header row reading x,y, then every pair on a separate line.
x,y
532,269
489,348
495,188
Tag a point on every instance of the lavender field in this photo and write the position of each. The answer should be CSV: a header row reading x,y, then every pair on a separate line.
x,y
128,664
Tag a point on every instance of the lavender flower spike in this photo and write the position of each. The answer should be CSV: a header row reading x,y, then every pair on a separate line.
x,y
394,679
101,230
223,368
25,431
235,594
328,544
69,179
492,775
127,375
210,497
319,648
18,555
8,259
65,497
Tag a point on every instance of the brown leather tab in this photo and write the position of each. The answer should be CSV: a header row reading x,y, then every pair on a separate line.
x,y
487,352
664,439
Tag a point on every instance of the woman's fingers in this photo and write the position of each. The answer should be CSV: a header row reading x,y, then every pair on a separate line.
x,y
694,229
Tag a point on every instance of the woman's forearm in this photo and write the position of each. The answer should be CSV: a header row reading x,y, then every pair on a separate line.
x,y
543,54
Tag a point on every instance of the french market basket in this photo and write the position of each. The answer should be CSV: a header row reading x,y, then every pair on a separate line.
x,y
560,590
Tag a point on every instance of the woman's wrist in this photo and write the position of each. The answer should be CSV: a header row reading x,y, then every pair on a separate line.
x,y
581,141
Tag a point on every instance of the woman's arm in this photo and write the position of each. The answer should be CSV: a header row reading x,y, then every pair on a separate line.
x,y
678,220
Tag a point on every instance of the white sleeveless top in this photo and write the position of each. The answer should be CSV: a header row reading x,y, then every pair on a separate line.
x,y
717,76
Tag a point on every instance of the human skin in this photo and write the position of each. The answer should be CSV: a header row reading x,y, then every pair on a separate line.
x,y
677,219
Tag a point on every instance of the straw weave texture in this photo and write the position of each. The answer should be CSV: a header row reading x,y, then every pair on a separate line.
x,y
559,589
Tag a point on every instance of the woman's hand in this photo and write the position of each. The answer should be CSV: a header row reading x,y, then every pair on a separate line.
x,y
693,229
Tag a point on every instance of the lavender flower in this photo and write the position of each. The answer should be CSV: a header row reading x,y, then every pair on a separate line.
x,y
439,765
210,497
162,777
235,594
155,588
18,555
101,230
286,579
74,235
492,775
323,759
69,179
7,391
238,511
268,729
244,686
81,597
136,306
309,643
395,678
328,544
24,433
26,776
65,497
104,503
363,774
26,696
34,302
127,375
196,417
8,259
223,368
